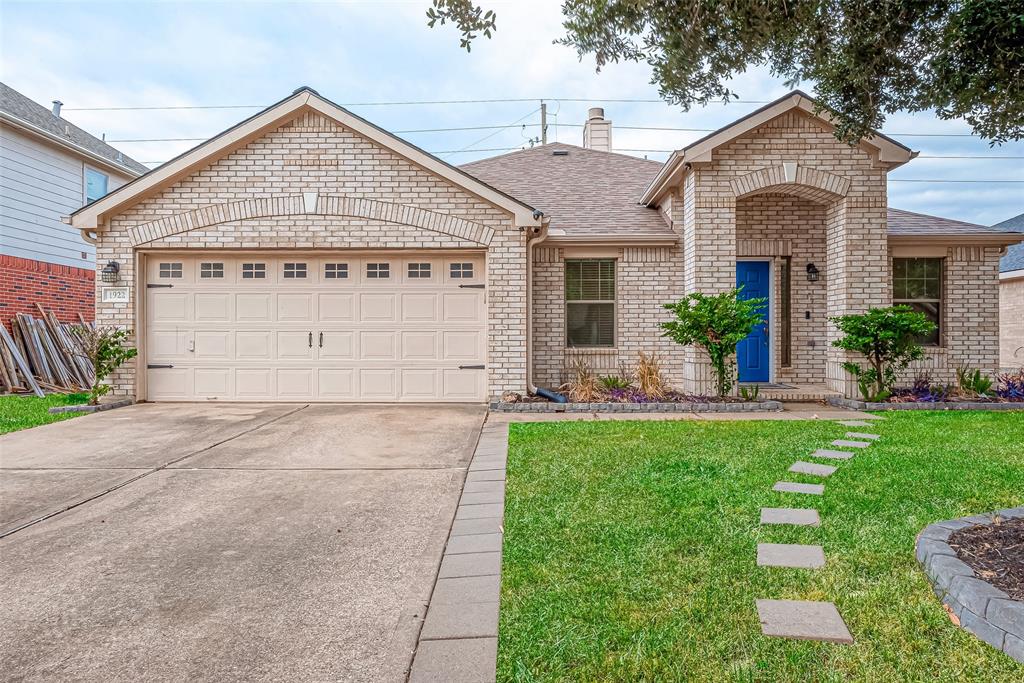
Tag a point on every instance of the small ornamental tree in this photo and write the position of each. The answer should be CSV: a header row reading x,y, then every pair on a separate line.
x,y
888,338
106,350
716,323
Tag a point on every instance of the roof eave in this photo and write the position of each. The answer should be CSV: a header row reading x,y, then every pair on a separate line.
x,y
93,157
995,239
647,240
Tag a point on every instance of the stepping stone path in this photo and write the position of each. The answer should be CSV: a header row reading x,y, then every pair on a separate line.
x,y
790,555
795,516
803,620
812,468
794,487
837,455
851,444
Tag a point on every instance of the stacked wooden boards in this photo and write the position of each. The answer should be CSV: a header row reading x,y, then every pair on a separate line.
x,y
43,354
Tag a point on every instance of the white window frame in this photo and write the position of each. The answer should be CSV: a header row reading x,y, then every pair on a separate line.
x,y
613,301
86,169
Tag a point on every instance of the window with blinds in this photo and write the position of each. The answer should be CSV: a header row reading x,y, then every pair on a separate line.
x,y
917,282
590,302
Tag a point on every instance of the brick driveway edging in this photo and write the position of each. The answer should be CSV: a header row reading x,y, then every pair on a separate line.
x,y
678,407
459,639
934,405
982,609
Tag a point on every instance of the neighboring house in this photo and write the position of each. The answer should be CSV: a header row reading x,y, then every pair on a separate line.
x,y
1011,298
306,255
48,168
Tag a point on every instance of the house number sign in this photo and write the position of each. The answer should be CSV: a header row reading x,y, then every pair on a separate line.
x,y
114,294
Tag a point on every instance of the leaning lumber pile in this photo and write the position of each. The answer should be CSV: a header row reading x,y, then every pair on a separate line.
x,y
43,354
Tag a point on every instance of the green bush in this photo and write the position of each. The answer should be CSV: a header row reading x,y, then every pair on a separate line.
x,y
716,323
106,348
888,339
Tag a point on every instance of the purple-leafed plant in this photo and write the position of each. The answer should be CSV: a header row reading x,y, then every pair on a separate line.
x,y
1011,386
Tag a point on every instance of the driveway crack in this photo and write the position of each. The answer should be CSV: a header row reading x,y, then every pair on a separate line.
x,y
148,472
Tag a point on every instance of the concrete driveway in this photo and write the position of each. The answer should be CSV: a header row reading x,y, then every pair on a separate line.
x,y
228,541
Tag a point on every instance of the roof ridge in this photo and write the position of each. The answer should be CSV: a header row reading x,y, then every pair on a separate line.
x,y
628,157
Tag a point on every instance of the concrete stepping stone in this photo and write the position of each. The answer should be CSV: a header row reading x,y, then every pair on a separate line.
x,y
837,455
803,620
862,435
854,423
794,487
844,443
795,516
814,468
790,555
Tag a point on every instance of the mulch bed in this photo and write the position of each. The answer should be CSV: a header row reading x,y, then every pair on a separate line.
x,y
995,552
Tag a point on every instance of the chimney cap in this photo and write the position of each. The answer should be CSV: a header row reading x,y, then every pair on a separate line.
x,y
595,113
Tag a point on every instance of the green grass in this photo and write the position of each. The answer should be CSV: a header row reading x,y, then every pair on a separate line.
x,y
630,548
22,412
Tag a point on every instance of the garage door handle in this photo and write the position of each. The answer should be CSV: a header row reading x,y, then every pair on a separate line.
x,y
321,340
472,367
154,366
310,340
471,286
152,286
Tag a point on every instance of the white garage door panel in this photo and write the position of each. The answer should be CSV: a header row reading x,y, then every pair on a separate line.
x,y
297,328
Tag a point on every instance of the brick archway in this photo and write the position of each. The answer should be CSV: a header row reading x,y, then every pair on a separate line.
x,y
310,204
791,178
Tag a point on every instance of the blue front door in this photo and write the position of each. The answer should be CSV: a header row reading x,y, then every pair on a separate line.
x,y
752,357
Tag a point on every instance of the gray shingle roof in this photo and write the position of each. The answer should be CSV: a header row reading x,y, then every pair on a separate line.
x,y
583,191
1014,259
17,105
909,223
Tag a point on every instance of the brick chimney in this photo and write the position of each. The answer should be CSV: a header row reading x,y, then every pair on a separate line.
x,y
597,131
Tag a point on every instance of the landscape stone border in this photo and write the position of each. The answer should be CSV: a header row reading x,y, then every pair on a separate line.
x,y
459,639
86,408
982,609
678,407
937,405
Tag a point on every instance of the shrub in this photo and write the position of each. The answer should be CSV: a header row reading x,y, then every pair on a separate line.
x,y
648,377
716,323
610,382
1011,386
972,383
888,338
106,349
584,387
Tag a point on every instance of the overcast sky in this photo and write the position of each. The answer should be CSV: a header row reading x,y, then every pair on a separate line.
x,y
159,54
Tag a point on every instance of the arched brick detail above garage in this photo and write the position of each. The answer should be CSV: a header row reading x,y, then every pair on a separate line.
x,y
792,178
312,203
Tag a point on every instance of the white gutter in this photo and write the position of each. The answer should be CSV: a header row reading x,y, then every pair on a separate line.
x,y
530,244
63,142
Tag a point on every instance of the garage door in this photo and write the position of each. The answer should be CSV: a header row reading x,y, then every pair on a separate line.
x,y
377,327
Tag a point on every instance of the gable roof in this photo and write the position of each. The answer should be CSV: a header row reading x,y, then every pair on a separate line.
x,y
24,113
911,227
584,192
304,98
1014,259
888,151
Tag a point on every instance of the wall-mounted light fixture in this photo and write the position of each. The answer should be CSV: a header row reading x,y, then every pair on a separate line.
x,y
812,272
111,272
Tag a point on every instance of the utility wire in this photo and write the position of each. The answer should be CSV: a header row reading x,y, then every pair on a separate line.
x,y
491,135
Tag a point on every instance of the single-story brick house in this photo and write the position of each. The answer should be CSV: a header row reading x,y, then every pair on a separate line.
x,y
306,254
1011,298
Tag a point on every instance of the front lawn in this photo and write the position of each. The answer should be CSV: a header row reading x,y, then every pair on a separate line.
x,y
630,548
22,412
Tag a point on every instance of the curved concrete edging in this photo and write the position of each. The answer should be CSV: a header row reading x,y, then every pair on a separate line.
x,y
982,609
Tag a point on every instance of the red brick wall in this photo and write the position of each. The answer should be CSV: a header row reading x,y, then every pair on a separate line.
x,y
65,290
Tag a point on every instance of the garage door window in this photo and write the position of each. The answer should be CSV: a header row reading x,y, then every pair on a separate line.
x,y
378,271
335,271
254,271
211,270
461,271
419,271
170,270
294,271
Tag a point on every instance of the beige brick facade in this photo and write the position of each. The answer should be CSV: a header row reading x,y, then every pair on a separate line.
x,y
1011,320
313,184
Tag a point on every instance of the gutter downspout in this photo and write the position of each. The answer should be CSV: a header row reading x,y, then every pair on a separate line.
x,y
530,244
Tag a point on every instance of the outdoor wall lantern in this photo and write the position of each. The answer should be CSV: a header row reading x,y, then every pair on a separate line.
x,y
812,272
111,272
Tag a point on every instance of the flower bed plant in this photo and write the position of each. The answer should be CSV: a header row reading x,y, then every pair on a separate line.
x,y
972,387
